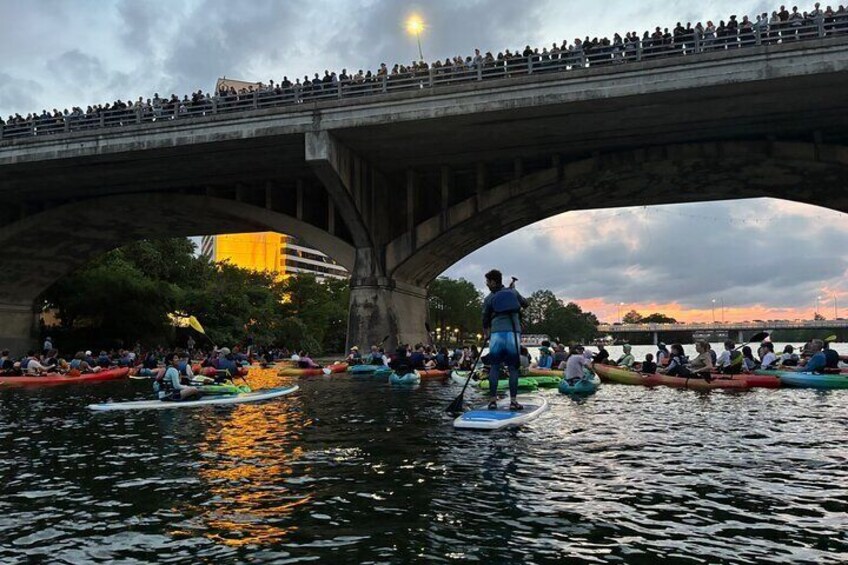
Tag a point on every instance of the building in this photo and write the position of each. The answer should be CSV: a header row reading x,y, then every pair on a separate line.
x,y
274,252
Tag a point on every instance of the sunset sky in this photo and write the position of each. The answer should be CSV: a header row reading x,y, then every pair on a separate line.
x,y
765,259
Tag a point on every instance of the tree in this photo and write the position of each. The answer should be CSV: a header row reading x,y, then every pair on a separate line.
x,y
657,318
539,304
632,317
456,303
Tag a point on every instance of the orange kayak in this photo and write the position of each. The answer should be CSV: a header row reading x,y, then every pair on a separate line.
x,y
59,379
433,374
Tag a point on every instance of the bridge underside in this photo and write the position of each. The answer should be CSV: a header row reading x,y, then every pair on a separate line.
x,y
398,191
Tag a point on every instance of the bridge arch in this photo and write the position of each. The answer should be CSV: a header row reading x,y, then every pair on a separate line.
x,y
698,172
40,249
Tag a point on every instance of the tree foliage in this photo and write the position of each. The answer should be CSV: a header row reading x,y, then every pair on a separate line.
x,y
547,314
632,317
456,303
657,318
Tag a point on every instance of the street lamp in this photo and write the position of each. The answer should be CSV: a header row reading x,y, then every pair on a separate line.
x,y
620,304
835,307
415,25
714,301
818,298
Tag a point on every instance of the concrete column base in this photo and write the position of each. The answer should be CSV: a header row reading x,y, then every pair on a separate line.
x,y
18,324
386,308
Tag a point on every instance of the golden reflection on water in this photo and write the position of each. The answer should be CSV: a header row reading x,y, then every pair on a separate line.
x,y
247,457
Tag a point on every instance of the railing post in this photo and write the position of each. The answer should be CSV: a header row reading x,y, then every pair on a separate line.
x,y
138,111
480,71
2,129
214,105
530,65
339,87
385,85
820,25
697,41
758,36
102,118
430,77
255,99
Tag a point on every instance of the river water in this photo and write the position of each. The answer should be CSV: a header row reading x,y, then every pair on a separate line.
x,y
355,471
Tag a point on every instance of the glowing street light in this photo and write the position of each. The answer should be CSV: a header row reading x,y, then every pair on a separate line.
x,y
415,25
714,301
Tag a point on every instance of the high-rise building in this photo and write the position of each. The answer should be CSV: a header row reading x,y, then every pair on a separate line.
x,y
269,251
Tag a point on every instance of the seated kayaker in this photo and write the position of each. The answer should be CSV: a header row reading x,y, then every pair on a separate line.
x,y
400,362
184,365
79,365
306,362
702,365
560,357
418,360
648,366
788,358
354,357
817,363
150,362
442,360
749,363
546,359
677,363
730,361
524,361
170,386
576,365
831,356
103,360
6,363
374,356
769,359
627,359
663,355
226,363
602,356
34,366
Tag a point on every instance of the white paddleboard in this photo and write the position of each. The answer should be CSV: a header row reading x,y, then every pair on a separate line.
x,y
223,399
503,417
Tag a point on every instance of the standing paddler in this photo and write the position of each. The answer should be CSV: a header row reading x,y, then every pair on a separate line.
x,y
502,326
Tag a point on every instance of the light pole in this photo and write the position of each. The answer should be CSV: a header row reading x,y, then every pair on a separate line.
x,y
620,304
714,301
818,298
415,25
835,307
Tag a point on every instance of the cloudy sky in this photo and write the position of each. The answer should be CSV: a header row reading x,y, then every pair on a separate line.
x,y
674,259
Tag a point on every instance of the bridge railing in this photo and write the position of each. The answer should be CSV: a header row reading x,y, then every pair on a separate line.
x,y
685,45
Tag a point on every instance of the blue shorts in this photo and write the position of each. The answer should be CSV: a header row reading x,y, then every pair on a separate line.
x,y
503,348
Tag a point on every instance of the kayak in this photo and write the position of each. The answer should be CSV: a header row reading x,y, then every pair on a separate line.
x,y
367,369
548,382
526,384
408,379
809,380
303,372
59,379
483,419
433,374
222,399
582,386
611,373
536,372
212,371
757,380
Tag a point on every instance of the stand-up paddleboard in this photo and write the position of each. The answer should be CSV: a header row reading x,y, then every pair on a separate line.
x,y
257,396
483,419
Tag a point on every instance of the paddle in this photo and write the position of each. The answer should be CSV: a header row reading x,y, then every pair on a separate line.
x,y
756,337
455,407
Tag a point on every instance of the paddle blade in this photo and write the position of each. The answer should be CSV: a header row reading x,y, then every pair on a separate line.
x,y
427,327
456,406
830,338
758,337
192,321
327,371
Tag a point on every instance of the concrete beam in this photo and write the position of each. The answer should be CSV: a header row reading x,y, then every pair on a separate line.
x,y
18,328
332,162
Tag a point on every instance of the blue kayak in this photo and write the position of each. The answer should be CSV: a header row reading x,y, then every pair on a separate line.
x,y
368,369
407,379
583,386
810,380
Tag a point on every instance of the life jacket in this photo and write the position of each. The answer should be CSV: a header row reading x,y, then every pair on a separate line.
x,y
505,301
162,383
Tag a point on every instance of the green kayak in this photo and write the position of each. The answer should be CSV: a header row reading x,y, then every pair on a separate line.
x,y
223,389
524,385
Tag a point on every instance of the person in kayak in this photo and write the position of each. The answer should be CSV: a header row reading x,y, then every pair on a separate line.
x,y
702,364
831,356
817,363
546,360
6,363
602,356
170,387
769,359
677,363
730,362
663,356
576,366
524,361
306,361
374,357
648,366
749,363
34,366
502,325
354,357
442,359
627,359
560,357
400,361
788,358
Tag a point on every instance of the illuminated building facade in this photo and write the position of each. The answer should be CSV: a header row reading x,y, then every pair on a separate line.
x,y
269,251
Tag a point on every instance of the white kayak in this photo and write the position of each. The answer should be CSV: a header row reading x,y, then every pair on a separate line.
x,y
257,396
503,417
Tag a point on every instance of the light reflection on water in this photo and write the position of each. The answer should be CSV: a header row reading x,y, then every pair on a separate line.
x,y
352,470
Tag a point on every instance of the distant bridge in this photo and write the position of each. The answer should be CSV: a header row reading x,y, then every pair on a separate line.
x,y
721,327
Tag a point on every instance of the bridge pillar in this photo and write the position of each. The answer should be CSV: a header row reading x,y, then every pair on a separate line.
x,y
381,307
656,338
740,338
18,325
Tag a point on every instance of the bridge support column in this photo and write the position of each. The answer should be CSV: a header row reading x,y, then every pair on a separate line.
x,y
380,307
656,338
740,338
18,325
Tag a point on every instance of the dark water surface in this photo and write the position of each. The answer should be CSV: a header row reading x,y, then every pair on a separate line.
x,y
354,471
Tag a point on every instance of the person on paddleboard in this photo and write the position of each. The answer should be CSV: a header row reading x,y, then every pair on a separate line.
x,y
502,326
170,386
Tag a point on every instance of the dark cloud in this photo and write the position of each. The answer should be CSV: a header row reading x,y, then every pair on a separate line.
x,y
685,254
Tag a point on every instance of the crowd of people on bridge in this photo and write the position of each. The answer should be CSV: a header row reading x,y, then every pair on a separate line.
x,y
780,26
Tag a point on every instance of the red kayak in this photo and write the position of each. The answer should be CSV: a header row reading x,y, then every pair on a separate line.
x,y
433,374
59,379
753,381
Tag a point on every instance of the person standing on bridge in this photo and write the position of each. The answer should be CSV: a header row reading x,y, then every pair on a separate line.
x,y
502,326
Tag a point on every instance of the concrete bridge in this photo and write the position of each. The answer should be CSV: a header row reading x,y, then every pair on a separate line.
x,y
733,330
397,187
